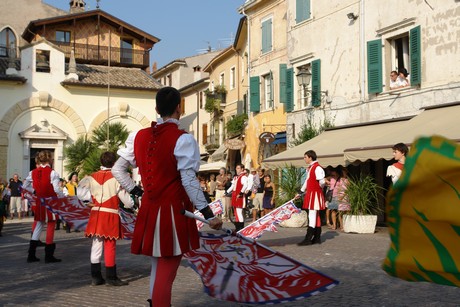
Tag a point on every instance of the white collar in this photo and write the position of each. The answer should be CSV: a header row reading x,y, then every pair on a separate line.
x,y
169,120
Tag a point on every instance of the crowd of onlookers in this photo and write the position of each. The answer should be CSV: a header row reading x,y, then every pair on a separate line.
x,y
336,201
259,191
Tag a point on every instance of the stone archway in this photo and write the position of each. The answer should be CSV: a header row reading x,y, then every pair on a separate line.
x,y
121,111
44,100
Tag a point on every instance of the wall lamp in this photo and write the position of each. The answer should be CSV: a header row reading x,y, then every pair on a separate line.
x,y
352,16
304,78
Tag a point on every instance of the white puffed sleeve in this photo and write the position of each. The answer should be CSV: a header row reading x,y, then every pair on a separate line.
x,y
188,164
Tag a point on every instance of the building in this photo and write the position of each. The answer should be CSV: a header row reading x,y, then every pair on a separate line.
x,y
268,78
66,73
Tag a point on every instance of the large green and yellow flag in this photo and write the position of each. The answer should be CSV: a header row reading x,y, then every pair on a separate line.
x,y
423,210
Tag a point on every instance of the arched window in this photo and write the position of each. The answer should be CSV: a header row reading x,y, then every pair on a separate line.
x,y
7,43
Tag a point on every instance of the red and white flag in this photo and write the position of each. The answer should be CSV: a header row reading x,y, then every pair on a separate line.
x,y
268,222
216,207
237,269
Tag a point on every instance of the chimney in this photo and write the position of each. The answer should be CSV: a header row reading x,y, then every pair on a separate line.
x,y
72,72
196,73
77,6
154,67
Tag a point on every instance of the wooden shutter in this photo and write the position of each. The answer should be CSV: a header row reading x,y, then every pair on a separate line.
x,y
316,83
283,68
266,36
204,131
182,106
415,56
289,90
254,90
302,10
374,66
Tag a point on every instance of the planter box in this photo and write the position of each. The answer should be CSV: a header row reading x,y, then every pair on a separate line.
x,y
359,223
296,220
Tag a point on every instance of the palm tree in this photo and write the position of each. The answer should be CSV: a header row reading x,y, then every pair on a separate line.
x,y
118,133
76,153
83,155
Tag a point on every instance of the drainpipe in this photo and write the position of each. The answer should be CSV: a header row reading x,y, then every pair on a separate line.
x,y
248,68
363,50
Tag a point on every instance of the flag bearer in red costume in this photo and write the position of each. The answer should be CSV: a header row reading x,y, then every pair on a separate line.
x,y
238,187
44,181
394,171
314,199
168,159
104,222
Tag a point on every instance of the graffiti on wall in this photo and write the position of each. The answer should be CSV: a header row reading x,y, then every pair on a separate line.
x,y
443,31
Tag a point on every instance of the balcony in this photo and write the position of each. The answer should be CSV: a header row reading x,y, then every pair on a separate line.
x,y
99,55
212,143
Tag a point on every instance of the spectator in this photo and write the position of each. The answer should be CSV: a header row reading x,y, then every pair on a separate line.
x,y
228,199
403,78
258,189
15,188
394,81
212,184
333,205
3,209
269,195
344,204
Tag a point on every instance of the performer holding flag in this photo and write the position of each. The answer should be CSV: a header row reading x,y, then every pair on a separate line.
x,y
45,182
314,198
168,159
238,187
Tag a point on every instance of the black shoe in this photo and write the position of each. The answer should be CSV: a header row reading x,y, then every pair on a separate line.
x,y
304,242
32,248
112,278
49,253
96,276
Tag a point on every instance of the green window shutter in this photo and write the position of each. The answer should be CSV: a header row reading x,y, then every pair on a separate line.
x,y
316,83
266,36
254,90
289,90
374,66
283,68
302,10
415,57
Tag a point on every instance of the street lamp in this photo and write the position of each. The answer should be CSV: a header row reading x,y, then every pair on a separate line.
x,y
304,77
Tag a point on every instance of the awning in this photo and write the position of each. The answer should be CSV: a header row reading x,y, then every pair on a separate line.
x,y
213,166
440,120
280,138
330,145
219,154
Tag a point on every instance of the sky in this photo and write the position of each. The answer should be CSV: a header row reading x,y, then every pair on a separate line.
x,y
184,27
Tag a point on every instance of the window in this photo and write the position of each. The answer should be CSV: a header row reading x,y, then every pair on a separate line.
x,y
201,99
303,10
232,78
182,105
7,43
42,60
268,91
63,36
126,51
402,51
267,43
222,79
169,80
204,131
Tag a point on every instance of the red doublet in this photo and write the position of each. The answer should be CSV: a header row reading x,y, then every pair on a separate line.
x,y
314,198
161,230
41,182
398,165
237,202
104,220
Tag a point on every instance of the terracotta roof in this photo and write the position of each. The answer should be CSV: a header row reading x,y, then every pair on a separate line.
x,y
120,77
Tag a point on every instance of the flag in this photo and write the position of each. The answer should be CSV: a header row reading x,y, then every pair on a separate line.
x,y
69,209
76,213
423,210
238,269
268,222
216,207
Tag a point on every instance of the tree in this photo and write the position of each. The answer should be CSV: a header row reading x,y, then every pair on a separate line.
x,y
83,155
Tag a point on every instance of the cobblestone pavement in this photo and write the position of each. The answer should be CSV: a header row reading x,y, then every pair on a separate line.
x,y
352,259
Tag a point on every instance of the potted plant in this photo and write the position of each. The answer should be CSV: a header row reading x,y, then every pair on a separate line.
x,y
362,193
